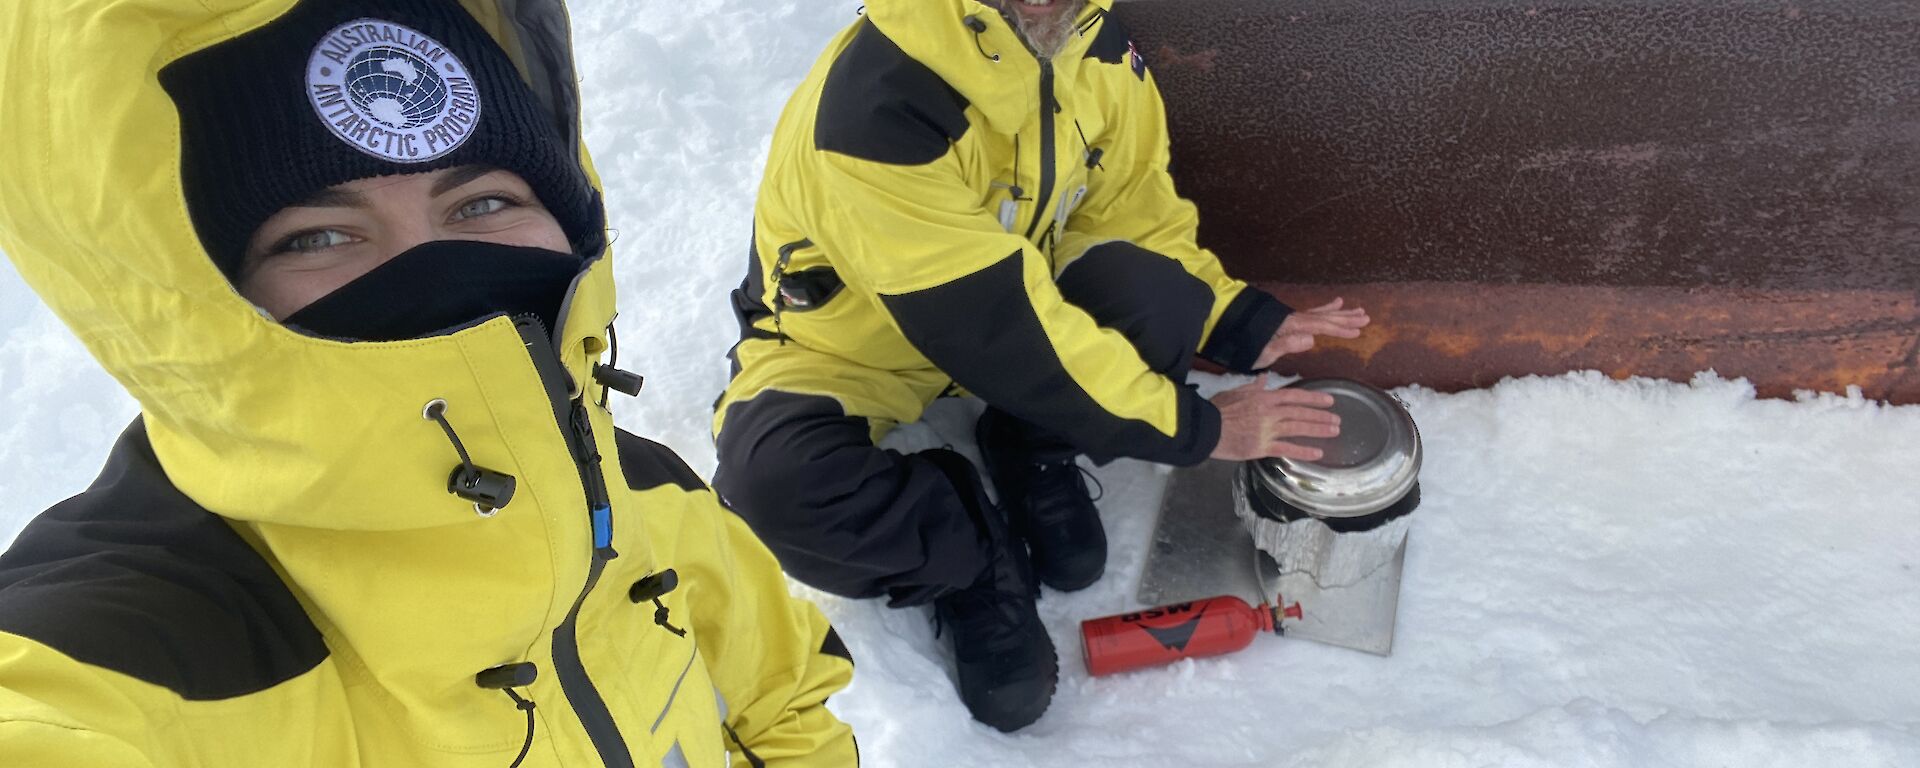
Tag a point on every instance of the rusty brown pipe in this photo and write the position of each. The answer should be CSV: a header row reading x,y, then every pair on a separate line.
x,y
1654,187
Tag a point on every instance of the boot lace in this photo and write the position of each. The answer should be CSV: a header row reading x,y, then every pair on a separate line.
x,y
972,607
1062,485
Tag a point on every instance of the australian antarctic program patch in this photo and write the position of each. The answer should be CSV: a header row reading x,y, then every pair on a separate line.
x,y
391,91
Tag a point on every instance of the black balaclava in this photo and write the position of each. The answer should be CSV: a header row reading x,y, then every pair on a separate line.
x,y
340,90
467,279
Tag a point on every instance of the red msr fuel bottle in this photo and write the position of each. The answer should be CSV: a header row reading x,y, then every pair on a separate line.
x,y
1169,633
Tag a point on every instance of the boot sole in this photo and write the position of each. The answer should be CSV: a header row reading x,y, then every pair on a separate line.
x,y
1074,587
1053,689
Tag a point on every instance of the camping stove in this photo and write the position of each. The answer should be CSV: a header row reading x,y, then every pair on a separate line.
x,y
1323,543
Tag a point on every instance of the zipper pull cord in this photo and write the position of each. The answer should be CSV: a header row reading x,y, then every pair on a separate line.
x,y
487,489
599,507
1093,155
1013,189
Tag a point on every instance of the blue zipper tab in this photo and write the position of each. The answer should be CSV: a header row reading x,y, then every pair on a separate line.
x,y
602,527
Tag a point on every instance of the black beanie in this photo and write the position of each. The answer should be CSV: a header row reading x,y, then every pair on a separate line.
x,y
335,91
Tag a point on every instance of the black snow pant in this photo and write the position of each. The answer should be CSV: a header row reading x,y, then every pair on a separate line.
x,y
845,516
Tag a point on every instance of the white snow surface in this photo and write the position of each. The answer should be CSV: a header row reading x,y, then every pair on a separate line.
x,y
1602,573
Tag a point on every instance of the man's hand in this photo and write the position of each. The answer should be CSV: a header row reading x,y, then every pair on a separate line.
x,y
1297,331
1254,421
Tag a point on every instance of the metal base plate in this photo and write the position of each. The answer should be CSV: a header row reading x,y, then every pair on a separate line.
x,y
1338,589
1199,547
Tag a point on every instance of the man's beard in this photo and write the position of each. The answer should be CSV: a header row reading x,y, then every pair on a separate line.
x,y
1048,37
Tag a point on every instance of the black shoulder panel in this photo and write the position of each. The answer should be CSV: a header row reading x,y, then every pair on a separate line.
x,y
1111,43
132,576
648,464
880,104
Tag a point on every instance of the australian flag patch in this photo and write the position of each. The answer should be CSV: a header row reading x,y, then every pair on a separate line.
x,y
1138,62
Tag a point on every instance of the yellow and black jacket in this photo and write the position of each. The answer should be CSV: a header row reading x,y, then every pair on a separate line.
x,y
271,570
927,183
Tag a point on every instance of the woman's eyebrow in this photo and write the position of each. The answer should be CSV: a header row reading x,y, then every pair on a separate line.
x,y
333,198
458,177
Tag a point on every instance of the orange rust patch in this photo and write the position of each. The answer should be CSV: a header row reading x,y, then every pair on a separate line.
x,y
1452,336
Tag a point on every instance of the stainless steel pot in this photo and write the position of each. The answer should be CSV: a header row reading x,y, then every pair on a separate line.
x,y
1367,475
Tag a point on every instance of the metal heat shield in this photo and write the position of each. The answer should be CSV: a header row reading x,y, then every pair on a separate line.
x,y
1199,547
1341,589
1337,589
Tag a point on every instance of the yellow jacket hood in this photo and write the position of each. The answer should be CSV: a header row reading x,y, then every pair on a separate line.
x,y
96,220
991,68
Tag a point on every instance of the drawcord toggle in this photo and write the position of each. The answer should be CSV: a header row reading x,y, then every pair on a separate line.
x,y
487,489
654,586
979,28
618,380
613,378
507,677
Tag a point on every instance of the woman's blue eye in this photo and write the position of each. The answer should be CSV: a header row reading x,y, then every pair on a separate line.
x,y
315,240
481,207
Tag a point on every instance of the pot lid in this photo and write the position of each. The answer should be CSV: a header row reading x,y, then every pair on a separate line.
x,y
1371,464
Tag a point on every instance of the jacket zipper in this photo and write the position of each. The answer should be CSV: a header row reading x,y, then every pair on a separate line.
x,y
780,274
1041,202
578,430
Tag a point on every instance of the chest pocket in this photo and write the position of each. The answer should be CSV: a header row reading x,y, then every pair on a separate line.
x,y
802,288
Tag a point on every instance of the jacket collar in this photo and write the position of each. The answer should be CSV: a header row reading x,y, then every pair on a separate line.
x,y
935,33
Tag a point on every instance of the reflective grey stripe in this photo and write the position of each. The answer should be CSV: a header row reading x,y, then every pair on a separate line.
x,y
676,690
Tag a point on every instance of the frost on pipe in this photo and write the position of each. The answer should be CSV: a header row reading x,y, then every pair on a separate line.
x,y
1653,187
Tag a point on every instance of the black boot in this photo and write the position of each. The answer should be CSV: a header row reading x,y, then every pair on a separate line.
x,y
1045,493
1006,662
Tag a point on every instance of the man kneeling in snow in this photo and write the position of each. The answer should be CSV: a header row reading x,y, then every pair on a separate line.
x,y
375,511
969,196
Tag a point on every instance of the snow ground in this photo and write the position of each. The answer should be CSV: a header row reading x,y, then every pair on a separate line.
x,y
1601,574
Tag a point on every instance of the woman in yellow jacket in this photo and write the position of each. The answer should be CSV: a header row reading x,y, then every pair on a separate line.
x,y
349,258
975,196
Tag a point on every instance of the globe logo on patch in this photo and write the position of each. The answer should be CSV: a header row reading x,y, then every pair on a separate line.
x,y
392,92
395,87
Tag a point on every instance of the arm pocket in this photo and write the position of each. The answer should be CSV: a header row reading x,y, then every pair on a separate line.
x,y
808,289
